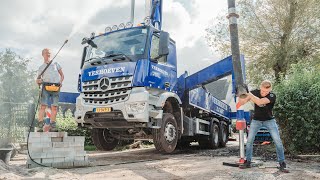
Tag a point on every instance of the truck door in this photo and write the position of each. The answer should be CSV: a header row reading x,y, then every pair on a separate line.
x,y
162,71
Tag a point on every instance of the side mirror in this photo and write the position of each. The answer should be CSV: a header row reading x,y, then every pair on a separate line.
x,y
84,54
164,43
89,41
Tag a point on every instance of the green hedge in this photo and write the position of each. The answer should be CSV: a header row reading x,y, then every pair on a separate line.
x,y
298,110
69,125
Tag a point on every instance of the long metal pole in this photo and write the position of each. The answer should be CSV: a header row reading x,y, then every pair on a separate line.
x,y
235,50
241,144
132,11
240,125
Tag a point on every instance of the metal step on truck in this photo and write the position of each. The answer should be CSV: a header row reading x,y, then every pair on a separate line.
x,y
129,89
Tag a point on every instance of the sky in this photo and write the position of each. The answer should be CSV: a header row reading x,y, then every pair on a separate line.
x,y
27,27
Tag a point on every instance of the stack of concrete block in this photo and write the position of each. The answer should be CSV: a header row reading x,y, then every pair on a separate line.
x,y
56,149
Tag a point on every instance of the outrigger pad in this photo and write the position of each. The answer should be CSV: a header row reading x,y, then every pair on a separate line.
x,y
253,164
230,164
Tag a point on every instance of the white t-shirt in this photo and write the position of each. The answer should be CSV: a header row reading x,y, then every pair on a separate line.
x,y
51,75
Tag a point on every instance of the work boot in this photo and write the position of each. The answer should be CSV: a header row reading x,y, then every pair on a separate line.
x,y
40,126
245,165
283,167
53,127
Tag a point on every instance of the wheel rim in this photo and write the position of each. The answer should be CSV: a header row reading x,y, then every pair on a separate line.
x,y
106,136
169,132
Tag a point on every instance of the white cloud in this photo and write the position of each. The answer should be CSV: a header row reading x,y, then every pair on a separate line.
x,y
177,22
187,22
29,26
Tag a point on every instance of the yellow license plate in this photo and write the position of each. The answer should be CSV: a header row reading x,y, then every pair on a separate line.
x,y
100,110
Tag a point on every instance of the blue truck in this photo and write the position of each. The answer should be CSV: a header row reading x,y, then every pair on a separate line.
x,y
129,89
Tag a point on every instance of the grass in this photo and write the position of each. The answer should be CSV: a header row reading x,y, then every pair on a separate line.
x,y
90,148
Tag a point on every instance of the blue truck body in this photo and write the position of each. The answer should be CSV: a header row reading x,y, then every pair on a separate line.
x,y
114,86
68,97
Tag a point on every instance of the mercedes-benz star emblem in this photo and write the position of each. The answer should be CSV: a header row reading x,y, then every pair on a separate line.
x,y
104,83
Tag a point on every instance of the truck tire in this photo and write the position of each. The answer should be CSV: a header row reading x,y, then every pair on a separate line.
x,y
214,136
103,140
95,138
223,134
165,139
156,143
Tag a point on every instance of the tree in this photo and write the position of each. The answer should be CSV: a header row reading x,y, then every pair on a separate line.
x,y
17,85
273,35
17,82
297,108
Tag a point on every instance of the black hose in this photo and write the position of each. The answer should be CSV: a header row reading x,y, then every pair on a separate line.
x,y
31,126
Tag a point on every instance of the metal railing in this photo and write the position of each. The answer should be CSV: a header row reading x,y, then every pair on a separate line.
x,y
15,119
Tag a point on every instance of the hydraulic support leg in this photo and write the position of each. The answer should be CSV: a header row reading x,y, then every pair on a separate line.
x,y
241,125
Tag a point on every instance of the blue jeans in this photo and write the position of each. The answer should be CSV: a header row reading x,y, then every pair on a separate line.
x,y
272,127
49,98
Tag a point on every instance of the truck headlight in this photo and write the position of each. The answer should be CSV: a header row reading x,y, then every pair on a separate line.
x,y
137,107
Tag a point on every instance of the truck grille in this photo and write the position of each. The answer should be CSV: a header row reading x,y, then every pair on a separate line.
x,y
118,90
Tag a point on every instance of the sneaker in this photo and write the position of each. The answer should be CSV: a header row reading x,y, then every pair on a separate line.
x,y
283,167
53,127
245,165
40,126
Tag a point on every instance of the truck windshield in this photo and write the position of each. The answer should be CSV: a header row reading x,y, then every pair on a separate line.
x,y
129,42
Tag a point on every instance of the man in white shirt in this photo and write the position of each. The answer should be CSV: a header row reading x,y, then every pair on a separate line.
x,y
51,81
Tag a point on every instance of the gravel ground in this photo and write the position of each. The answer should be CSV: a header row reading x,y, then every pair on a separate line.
x,y
191,163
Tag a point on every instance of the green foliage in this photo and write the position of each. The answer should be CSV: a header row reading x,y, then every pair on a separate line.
x,y
273,34
17,82
69,125
90,148
297,109
17,90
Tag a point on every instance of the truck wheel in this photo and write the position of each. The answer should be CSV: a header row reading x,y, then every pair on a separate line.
x,y
95,138
157,144
214,136
223,135
165,139
103,140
